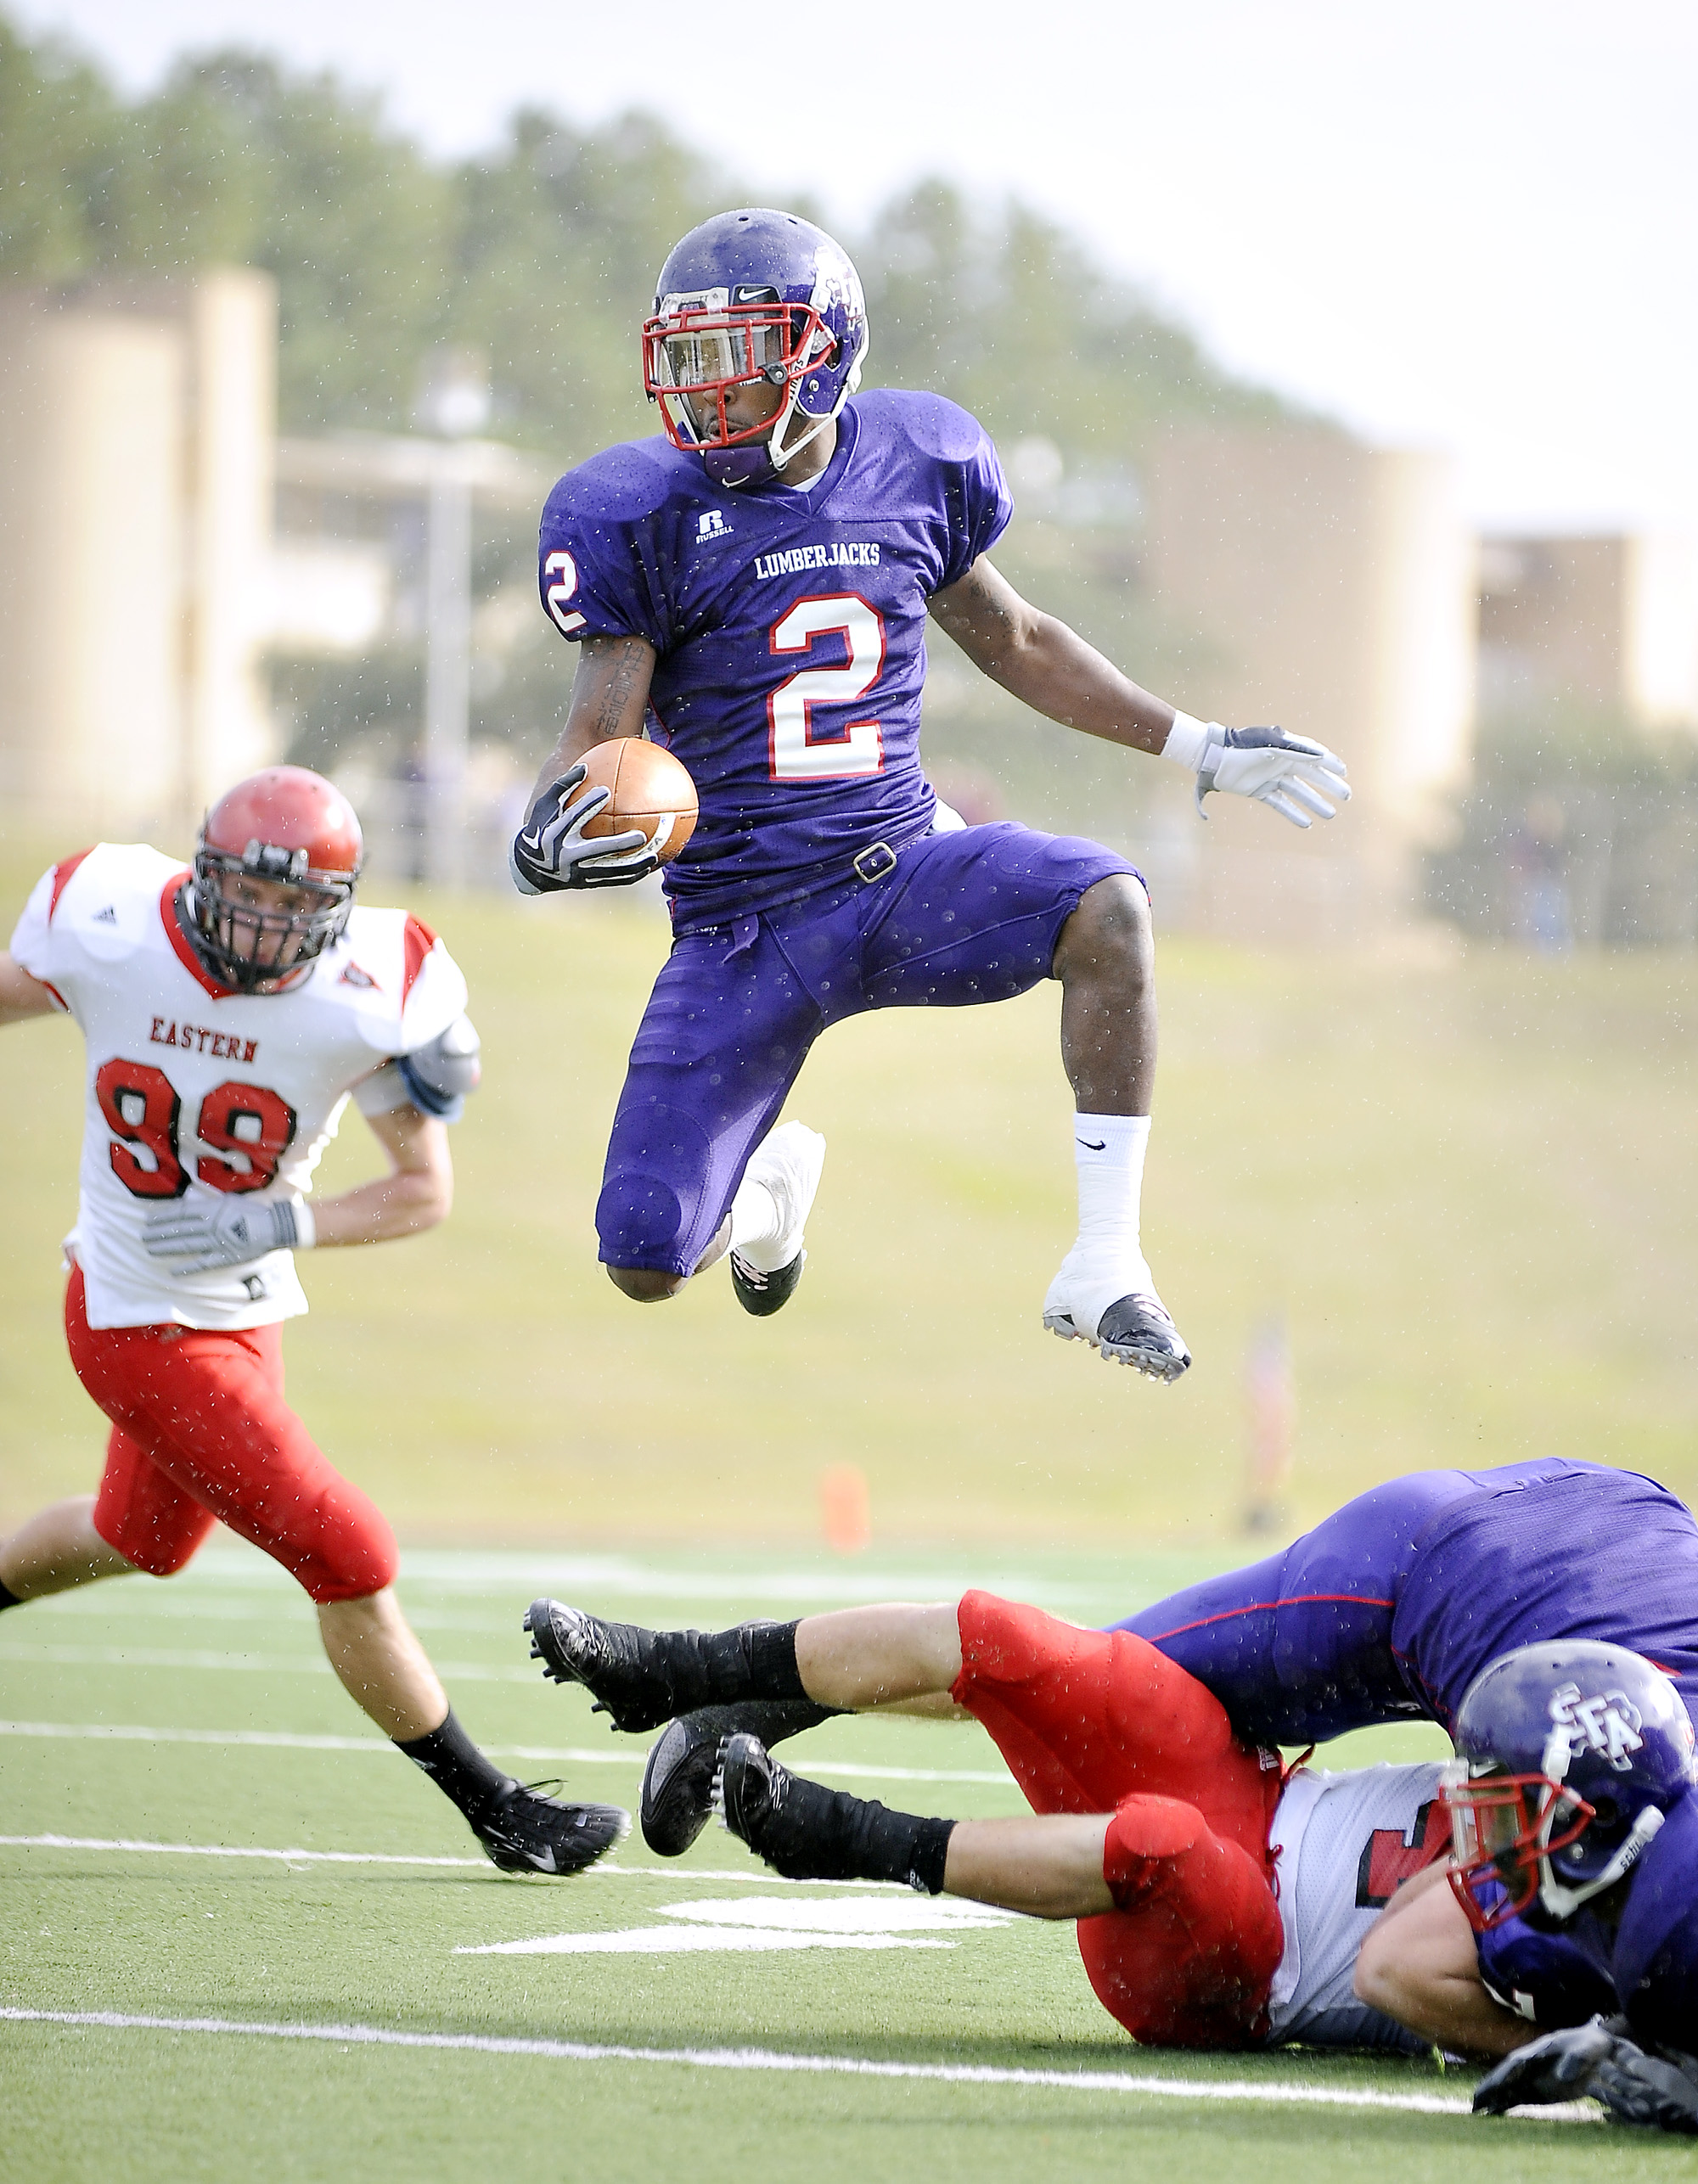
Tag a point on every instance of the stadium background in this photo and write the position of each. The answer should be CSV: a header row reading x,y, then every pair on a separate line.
x,y
1457,1179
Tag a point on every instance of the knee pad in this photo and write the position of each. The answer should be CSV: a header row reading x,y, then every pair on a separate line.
x,y
352,1552
640,1219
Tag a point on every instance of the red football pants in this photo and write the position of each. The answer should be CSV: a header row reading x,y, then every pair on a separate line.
x,y
1092,1721
200,1431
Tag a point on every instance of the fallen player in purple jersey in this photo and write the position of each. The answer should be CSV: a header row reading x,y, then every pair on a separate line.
x,y
1398,1604
751,591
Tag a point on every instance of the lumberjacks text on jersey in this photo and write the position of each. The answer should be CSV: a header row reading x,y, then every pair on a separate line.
x,y
790,629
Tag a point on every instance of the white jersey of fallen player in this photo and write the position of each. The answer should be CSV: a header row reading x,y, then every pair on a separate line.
x,y
1344,1842
194,1092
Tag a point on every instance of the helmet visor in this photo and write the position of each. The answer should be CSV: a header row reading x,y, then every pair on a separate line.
x,y
693,359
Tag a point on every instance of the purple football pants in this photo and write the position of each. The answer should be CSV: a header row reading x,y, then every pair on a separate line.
x,y
958,918
1392,1606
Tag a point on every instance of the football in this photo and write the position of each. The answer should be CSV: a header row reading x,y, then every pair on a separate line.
x,y
651,790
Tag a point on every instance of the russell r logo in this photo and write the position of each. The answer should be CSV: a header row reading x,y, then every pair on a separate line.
x,y
711,523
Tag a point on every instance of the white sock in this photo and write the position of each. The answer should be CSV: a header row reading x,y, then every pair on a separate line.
x,y
755,1231
1108,1150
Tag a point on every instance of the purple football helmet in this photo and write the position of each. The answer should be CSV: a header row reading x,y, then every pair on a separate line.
x,y
752,298
1571,1756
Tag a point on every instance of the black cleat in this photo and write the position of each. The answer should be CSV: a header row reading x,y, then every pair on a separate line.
x,y
623,1667
764,1294
792,1823
678,1782
524,1833
751,1790
1139,1331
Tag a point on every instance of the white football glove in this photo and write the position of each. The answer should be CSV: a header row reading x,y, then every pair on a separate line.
x,y
1291,774
550,851
239,1231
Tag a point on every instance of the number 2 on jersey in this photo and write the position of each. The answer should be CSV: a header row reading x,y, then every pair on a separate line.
x,y
142,1108
798,753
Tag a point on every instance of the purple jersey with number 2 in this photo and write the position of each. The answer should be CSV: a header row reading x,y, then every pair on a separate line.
x,y
790,626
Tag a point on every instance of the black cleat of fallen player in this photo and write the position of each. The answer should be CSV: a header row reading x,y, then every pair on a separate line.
x,y
623,1667
763,1804
764,1294
677,1801
523,1832
1137,1331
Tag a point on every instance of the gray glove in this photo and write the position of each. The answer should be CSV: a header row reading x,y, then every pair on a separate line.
x,y
550,850
1657,2091
1291,775
241,1230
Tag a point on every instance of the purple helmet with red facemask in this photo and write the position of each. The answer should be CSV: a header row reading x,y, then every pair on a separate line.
x,y
1570,1757
753,298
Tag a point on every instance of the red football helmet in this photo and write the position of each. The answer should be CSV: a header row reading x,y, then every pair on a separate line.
x,y
274,875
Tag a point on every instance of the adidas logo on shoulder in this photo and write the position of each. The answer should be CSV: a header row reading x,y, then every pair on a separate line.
x,y
109,916
711,523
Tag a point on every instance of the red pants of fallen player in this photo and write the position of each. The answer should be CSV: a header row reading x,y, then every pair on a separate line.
x,y
1092,1721
200,1432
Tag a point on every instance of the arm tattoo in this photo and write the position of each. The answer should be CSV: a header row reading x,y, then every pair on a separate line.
x,y
625,669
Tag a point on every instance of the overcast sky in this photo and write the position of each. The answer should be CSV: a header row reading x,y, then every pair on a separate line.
x,y
1469,224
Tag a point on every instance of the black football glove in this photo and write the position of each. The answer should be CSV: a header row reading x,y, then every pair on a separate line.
x,y
1594,2059
550,851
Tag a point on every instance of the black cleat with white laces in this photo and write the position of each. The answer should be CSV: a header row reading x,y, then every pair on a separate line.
x,y
1139,1331
765,1805
641,1678
523,1832
677,1801
764,1294
623,1667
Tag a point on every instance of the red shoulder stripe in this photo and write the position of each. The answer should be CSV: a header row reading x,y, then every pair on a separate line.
x,y
179,940
62,873
418,941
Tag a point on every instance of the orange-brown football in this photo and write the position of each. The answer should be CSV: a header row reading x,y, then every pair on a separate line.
x,y
651,790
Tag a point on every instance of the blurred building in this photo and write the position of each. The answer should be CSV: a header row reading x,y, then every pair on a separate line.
x,y
1307,580
1605,624
137,431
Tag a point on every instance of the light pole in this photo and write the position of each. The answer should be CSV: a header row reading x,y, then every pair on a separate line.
x,y
454,403
449,473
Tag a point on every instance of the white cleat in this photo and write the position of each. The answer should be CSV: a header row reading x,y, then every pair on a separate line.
x,y
788,1161
1134,1328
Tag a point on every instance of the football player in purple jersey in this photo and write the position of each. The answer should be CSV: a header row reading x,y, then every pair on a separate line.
x,y
751,590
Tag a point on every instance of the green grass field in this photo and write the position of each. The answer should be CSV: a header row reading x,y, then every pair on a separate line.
x,y
1470,1187
375,1920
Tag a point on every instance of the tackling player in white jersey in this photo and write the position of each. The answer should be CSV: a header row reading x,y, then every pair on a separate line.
x,y
228,1013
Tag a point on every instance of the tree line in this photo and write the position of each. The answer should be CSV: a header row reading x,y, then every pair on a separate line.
x,y
541,253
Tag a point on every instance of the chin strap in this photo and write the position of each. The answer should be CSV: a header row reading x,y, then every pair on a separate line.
x,y
1562,1901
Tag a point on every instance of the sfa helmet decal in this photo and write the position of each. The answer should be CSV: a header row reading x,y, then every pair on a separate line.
x,y
1607,1724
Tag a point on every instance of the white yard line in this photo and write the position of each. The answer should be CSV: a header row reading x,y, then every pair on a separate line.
x,y
288,1740
225,1850
602,1868
1274,2092
241,1663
